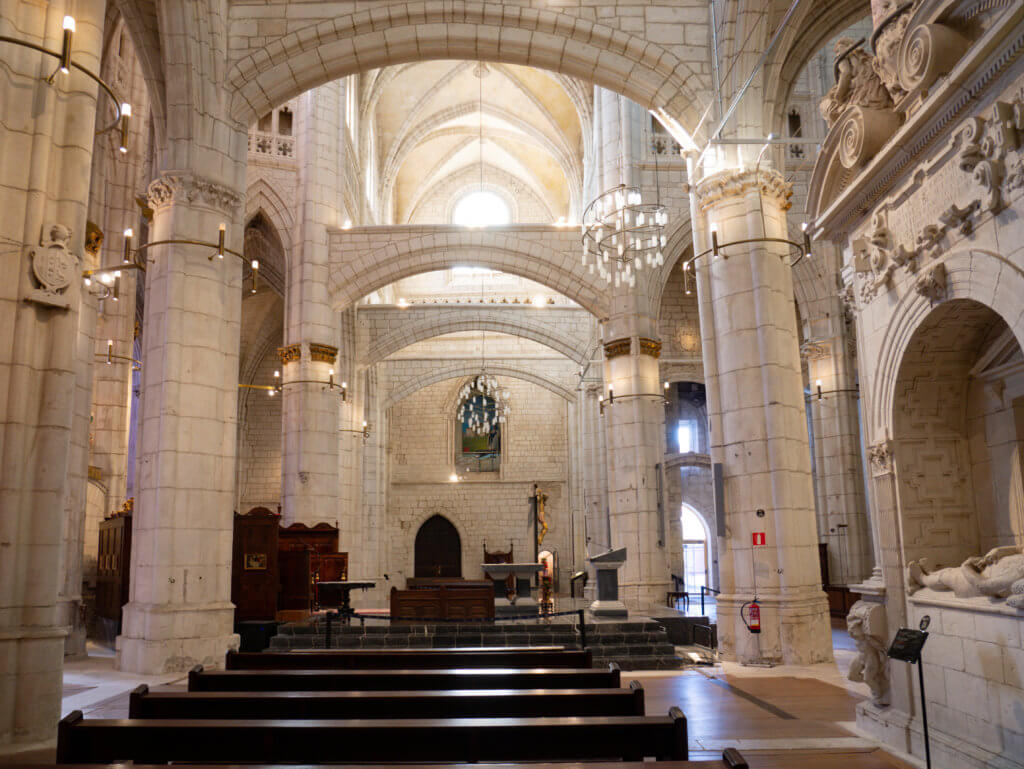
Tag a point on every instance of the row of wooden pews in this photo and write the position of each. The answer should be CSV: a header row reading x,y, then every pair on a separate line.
x,y
389,707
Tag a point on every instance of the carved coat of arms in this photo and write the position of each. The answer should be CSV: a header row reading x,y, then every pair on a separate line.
x,y
53,267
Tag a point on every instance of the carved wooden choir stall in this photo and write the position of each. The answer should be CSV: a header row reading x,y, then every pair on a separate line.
x,y
113,564
276,569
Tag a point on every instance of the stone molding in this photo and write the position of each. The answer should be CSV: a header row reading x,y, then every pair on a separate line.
x,y
322,353
932,284
290,354
618,347
736,183
185,187
650,347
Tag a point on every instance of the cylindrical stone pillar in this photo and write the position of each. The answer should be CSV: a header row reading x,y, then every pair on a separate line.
x,y
179,612
47,140
634,422
759,432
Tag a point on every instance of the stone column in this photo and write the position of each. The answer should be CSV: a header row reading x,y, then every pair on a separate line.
x,y
179,612
842,508
310,412
47,140
634,423
758,423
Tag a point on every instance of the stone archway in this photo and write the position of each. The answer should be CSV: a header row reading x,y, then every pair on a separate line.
x,y
272,71
957,422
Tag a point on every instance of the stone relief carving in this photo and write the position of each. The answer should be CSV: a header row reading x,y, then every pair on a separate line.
x,y
880,455
999,574
858,85
887,41
814,349
734,183
93,239
867,626
874,94
932,284
53,267
187,188
985,145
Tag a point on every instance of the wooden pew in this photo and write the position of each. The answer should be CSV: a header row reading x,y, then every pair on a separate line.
x,y
200,680
630,738
465,703
774,761
407,659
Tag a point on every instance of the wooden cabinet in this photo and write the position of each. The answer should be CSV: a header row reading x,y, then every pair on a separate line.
x,y
113,567
454,600
255,576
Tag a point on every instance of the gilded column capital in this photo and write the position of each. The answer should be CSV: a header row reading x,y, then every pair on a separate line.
x,y
733,183
322,353
290,354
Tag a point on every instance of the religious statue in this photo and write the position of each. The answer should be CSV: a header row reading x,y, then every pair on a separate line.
x,y
542,524
998,574
866,624
857,85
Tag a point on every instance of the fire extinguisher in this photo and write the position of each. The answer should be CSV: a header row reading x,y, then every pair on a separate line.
x,y
754,613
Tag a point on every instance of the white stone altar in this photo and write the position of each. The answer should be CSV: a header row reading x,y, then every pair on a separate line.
x,y
522,602
607,565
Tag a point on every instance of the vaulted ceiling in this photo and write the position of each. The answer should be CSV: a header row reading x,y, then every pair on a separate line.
x,y
429,118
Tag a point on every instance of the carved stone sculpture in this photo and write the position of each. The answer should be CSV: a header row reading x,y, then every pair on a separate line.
x,y
53,267
998,574
867,626
887,45
858,85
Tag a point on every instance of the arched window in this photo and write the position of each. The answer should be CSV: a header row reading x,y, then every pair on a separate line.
x,y
695,550
481,209
480,421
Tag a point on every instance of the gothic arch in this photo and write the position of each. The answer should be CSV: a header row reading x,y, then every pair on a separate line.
x,y
469,320
460,29
260,197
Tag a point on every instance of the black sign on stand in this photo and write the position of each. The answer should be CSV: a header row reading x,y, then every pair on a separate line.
x,y
907,646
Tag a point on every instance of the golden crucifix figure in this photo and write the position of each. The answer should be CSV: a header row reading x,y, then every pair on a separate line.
x,y
542,527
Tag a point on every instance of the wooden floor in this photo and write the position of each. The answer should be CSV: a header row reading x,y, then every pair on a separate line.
x,y
778,722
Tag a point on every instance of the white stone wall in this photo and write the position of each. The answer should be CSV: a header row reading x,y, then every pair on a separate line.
x,y
437,203
259,442
422,440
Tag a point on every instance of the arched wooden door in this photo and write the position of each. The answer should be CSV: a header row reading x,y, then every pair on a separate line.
x,y
438,549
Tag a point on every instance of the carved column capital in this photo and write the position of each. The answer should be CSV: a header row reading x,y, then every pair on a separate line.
x,y
186,187
322,353
737,182
290,354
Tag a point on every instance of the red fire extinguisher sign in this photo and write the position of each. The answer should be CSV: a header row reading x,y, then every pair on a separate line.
x,y
759,540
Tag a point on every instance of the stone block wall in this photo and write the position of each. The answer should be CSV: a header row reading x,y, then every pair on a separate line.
x,y
973,679
489,508
259,447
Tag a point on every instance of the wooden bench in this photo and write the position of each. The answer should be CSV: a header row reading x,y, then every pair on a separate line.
x,y
157,741
774,761
406,659
200,680
465,703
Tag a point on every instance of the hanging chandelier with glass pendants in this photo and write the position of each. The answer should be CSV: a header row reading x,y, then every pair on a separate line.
x,y
484,404
622,235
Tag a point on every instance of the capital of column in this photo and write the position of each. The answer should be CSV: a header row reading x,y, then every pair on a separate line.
x,y
318,353
185,187
735,183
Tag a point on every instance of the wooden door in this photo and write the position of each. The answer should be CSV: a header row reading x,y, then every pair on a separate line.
x,y
438,549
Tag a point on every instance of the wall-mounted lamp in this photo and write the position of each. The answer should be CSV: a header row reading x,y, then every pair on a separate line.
x,y
807,239
126,114
365,431
817,383
111,357
714,238
255,273
64,65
